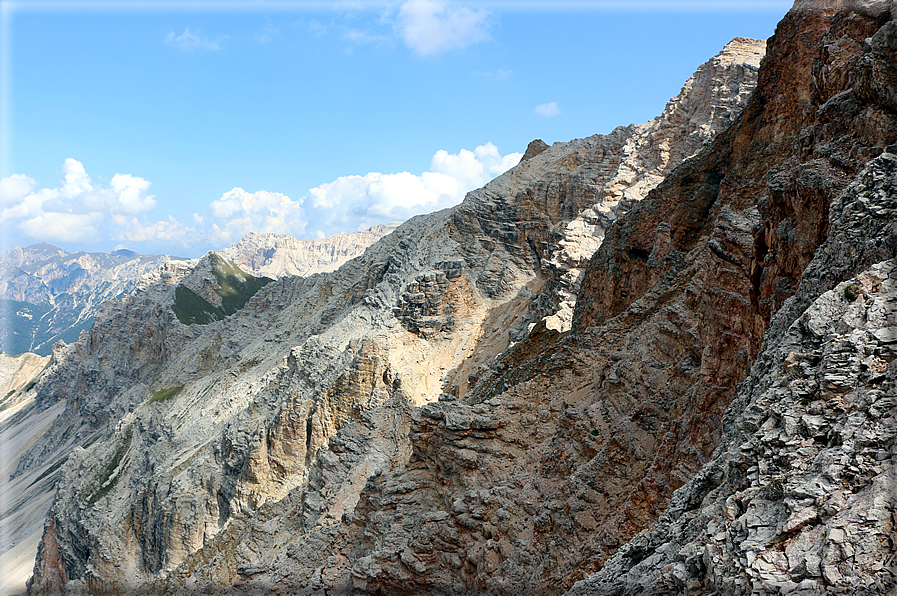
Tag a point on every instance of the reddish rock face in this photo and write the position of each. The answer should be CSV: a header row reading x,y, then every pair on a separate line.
x,y
572,442
598,427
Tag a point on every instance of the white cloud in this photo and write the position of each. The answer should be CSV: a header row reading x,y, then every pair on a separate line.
x,y
314,27
547,109
63,227
238,212
191,40
433,26
501,74
358,202
267,34
15,188
170,231
360,36
76,210
77,182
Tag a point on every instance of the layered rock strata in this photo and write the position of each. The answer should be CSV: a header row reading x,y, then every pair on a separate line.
x,y
800,497
570,444
707,104
213,456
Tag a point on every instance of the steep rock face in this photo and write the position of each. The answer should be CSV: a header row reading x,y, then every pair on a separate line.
x,y
24,498
228,452
707,104
800,494
16,372
572,443
276,255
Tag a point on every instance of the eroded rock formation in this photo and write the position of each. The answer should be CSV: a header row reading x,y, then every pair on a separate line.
x,y
188,433
298,446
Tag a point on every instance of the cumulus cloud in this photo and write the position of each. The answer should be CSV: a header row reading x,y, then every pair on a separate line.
x,y
237,212
81,210
15,188
170,231
548,109
63,227
433,26
358,202
75,209
191,40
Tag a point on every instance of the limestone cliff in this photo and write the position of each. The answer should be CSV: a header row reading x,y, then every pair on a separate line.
x,y
707,104
571,444
276,255
212,455
296,445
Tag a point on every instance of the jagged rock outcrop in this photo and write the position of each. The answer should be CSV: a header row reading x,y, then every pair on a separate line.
x,y
570,444
707,104
276,255
230,455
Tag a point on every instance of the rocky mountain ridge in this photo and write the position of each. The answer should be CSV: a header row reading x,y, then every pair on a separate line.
x,y
203,427
48,294
708,103
282,450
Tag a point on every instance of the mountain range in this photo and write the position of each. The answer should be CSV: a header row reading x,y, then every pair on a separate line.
x,y
658,361
48,294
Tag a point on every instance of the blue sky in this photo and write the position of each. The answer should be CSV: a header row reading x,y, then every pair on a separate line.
x,y
178,126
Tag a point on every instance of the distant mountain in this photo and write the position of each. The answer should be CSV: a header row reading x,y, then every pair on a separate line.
x,y
277,255
48,294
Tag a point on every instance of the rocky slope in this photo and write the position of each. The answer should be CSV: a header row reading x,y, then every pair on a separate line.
x,y
568,445
217,455
276,255
800,496
16,372
48,294
23,501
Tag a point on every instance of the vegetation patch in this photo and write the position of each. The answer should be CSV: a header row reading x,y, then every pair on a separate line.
x,y
235,287
249,364
190,308
165,394
775,490
106,481
851,292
